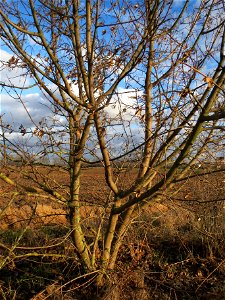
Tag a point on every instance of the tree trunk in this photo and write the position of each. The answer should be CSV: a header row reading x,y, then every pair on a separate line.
x,y
75,218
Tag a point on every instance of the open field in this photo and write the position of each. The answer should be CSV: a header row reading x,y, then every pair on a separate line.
x,y
174,250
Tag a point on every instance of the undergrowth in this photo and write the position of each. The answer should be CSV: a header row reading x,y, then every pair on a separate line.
x,y
174,250
162,258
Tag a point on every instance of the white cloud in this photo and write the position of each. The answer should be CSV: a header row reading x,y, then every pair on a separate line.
x,y
14,110
124,105
11,75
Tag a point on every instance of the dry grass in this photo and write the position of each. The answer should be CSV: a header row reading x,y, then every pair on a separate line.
x,y
174,250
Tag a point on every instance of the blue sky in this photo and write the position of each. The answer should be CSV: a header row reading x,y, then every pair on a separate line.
x,y
36,103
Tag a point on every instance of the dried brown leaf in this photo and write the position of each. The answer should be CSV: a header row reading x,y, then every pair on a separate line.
x,y
208,80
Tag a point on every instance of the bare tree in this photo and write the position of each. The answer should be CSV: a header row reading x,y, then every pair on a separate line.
x,y
140,82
